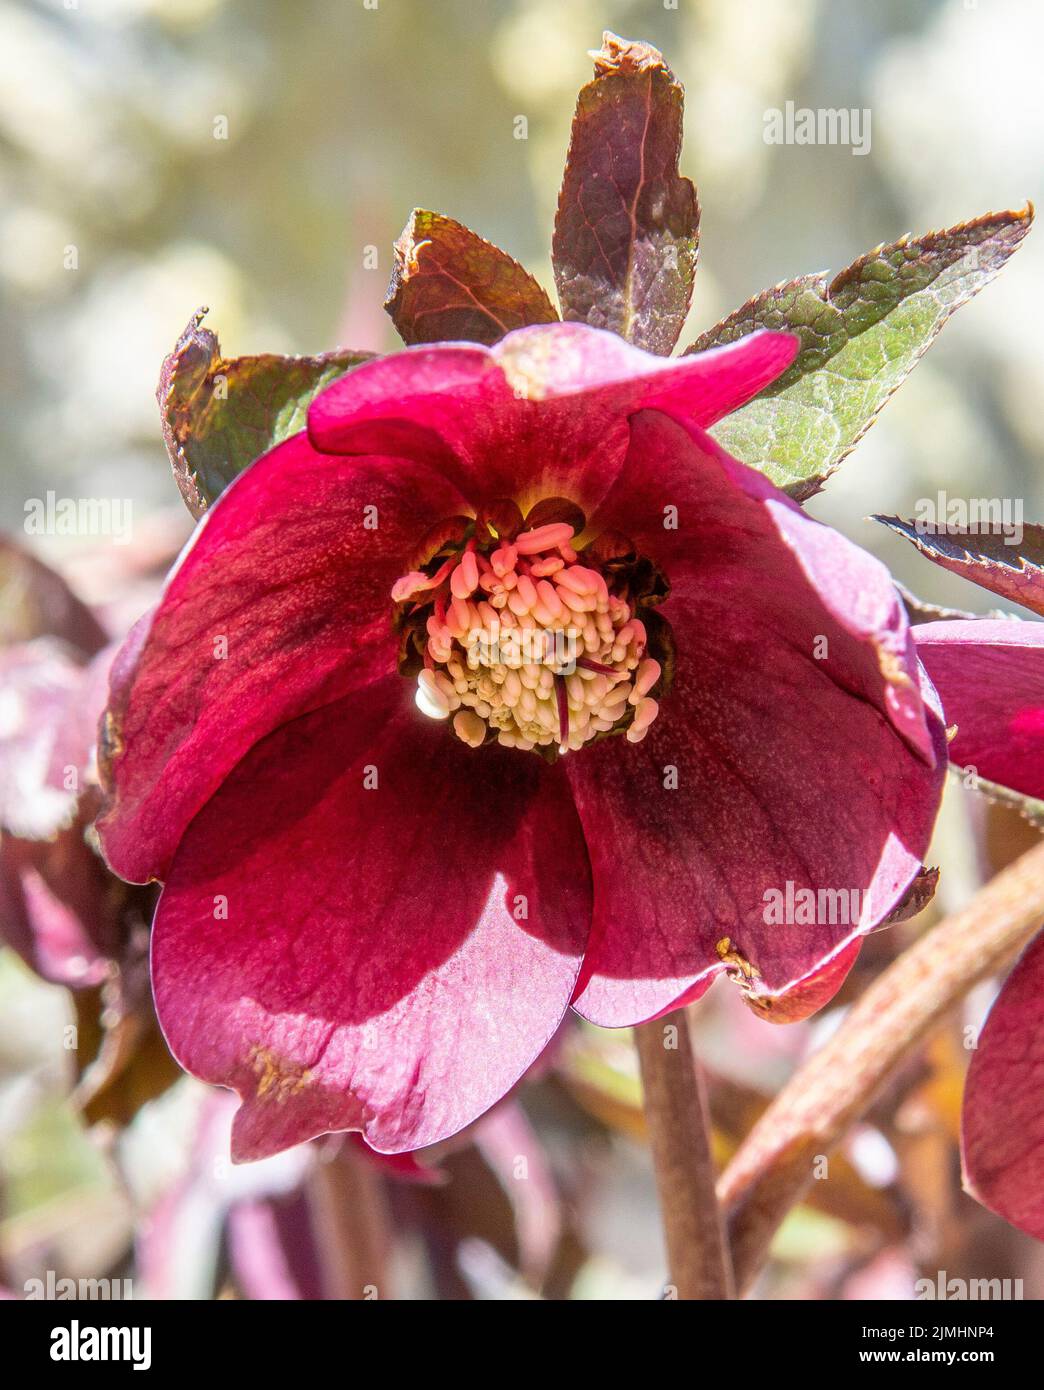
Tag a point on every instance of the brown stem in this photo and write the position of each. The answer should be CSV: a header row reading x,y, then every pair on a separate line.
x,y
679,1136
350,1218
833,1089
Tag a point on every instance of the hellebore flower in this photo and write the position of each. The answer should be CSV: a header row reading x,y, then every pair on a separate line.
x,y
990,676
398,842
663,725
990,673
1002,1121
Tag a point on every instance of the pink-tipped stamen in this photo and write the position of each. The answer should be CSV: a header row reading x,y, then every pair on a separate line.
x,y
597,666
563,710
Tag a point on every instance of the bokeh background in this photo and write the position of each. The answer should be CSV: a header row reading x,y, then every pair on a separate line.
x,y
121,212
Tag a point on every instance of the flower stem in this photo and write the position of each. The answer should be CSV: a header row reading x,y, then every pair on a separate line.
x,y
826,1097
679,1136
349,1212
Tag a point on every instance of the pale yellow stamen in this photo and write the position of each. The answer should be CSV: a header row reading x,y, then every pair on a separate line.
x,y
508,642
470,727
648,675
431,698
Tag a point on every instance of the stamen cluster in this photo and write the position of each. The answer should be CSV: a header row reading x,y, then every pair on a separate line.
x,y
527,645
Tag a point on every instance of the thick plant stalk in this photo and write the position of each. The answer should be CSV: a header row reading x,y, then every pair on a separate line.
x,y
829,1094
351,1228
679,1136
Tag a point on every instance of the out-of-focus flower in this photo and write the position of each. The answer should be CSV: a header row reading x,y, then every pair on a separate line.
x,y
990,675
1003,1118
69,918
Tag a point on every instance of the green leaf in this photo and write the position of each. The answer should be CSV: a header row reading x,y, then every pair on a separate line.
x,y
860,336
627,230
219,414
450,285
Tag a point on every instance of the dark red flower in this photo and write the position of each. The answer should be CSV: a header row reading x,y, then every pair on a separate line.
x,y
1002,1138
375,920
990,676
990,673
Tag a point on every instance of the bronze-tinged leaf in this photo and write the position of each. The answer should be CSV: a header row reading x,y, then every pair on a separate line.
x,y
122,1059
627,230
129,1064
450,285
861,334
35,601
918,610
219,414
1013,571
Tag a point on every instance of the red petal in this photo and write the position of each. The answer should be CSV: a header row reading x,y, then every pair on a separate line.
x,y
286,572
808,994
789,769
990,677
1003,1122
371,974
750,546
542,413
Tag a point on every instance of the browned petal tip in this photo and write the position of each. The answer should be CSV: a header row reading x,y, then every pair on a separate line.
x,y
625,56
109,748
916,898
402,246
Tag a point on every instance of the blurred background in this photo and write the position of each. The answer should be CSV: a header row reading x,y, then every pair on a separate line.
x,y
159,155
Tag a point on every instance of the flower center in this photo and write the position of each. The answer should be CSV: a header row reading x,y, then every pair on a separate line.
x,y
515,634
